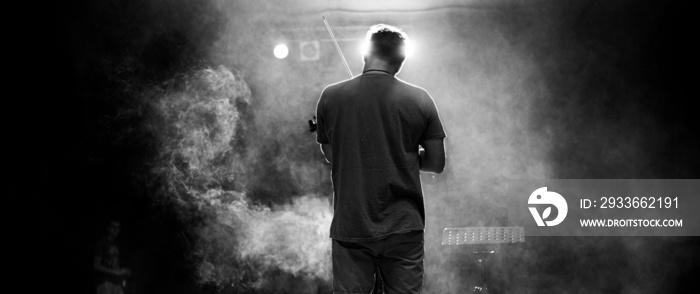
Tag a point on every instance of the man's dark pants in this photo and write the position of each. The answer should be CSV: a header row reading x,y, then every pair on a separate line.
x,y
398,259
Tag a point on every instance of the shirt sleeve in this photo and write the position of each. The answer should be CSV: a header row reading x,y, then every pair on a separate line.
x,y
433,129
321,136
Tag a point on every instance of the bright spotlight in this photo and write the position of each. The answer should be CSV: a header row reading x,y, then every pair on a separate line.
x,y
408,49
364,48
281,51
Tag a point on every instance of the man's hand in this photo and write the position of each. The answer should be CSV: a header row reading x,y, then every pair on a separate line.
x,y
432,159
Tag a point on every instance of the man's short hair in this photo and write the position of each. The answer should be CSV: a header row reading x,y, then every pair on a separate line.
x,y
387,42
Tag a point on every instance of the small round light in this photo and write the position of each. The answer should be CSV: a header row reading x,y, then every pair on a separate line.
x,y
281,51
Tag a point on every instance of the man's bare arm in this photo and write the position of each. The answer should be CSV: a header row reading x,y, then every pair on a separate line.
x,y
432,158
327,152
97,265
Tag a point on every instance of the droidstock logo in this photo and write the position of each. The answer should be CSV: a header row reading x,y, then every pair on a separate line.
x,y
542,196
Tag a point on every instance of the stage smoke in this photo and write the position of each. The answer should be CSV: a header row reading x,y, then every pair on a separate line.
x,y
240,244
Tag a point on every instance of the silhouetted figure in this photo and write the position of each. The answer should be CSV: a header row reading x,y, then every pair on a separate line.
x,y
370,129
110,275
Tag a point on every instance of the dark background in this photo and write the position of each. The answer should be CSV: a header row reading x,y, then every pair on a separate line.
x,y
80,164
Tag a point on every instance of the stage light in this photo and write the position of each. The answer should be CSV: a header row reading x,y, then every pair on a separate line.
x,y
309,50
281,51
364,48
408,50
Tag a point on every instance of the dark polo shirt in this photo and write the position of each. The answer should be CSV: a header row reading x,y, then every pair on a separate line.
x,y
374,123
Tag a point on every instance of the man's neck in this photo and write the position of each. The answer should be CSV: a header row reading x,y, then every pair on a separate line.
x,y
378,71
378,65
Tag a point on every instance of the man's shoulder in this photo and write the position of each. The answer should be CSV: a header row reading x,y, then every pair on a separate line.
x,y
415,91
101,246
418,90
332,88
